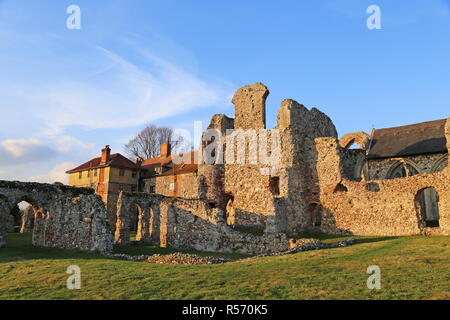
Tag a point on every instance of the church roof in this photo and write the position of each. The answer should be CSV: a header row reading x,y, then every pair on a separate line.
x,y
115,160
414,139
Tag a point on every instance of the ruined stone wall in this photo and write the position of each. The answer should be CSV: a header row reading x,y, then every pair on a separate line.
x,y
375,207
353,161
251,110
314,183
65,217
299,127
211,184
246,175
189,224
111,209
268,189
185,185
212,174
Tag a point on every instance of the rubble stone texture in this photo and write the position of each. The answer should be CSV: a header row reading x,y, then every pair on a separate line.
x,y
273,199
64,217
251,113
188,224
315,184
376,207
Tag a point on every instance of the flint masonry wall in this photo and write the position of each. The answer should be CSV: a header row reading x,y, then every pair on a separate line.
x,y
188,224
376,207
271,190
298,128
310,156
187,185
65,217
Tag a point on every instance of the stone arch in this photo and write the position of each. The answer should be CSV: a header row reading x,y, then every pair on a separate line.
x,y
426,202
440,164
65,217
38,213
340,188
360,138
230,212
402,168
315,215
135,213
28,217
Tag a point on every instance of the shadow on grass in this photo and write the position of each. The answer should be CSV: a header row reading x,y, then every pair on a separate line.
x,y
19,248
330,238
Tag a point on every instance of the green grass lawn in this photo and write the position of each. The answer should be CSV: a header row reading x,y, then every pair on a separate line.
x,y
411,268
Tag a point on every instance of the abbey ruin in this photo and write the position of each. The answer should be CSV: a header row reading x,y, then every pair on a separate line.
x,y
295,178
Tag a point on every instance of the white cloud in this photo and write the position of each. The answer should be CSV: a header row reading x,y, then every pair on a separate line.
x,y
19,148
57,174
17,151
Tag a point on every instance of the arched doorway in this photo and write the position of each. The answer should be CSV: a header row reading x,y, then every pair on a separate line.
x,y
315,216
427,202
14,221
230,212
135,222
21,218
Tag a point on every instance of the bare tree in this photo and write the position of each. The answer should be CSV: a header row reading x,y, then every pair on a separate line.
x,y
146,143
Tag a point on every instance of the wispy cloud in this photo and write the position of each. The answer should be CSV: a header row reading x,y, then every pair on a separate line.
x,y
120,95
56,174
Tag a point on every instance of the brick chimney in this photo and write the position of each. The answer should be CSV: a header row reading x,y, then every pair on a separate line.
x,y
106,152
164,150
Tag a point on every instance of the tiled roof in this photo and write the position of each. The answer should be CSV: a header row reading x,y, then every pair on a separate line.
x,y
115,160
415,139
150,165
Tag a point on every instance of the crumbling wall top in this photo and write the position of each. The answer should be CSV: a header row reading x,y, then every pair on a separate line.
x,y
250,106
45,187
221,122
311,123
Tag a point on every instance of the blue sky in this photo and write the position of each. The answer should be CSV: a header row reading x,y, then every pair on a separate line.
x,y
66,93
